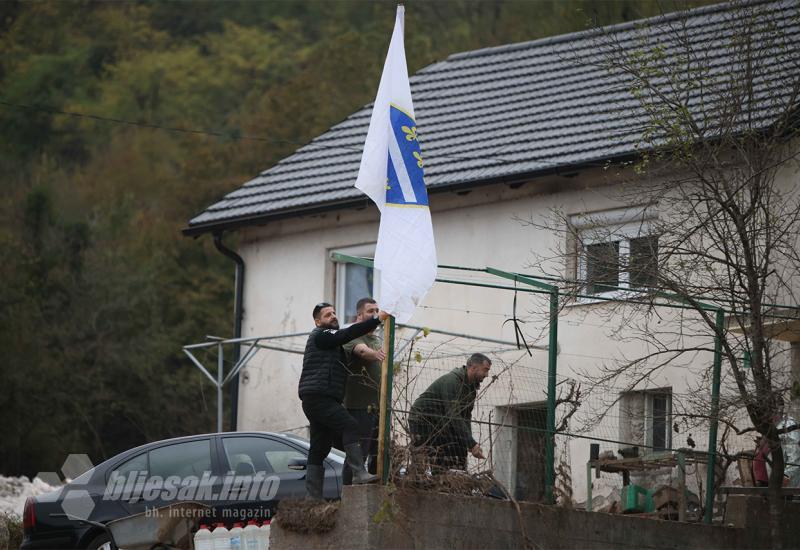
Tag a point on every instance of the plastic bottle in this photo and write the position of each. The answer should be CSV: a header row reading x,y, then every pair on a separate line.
x,y
264,532
250,536
202,539
236,536
221,537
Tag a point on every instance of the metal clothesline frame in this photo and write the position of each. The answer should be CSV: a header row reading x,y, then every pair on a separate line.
x,y
255,343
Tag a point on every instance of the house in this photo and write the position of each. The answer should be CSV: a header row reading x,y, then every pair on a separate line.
x,y
509,135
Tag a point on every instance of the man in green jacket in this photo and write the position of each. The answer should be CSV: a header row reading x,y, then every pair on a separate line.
x,y
365,355
441,418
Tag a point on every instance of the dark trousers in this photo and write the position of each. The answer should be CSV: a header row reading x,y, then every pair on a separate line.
x,y
368,437
329,422
442,451
444,455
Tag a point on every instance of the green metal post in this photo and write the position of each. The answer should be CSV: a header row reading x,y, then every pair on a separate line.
x,y
552,366
712,431
386,404
552,358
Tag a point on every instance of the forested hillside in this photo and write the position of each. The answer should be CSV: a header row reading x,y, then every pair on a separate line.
x,y
121,120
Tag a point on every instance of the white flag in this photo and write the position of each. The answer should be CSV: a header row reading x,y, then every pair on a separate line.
x,y
391,175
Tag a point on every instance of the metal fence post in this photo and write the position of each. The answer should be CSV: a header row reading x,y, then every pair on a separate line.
x,y
220,366
385,426
552,358
712,431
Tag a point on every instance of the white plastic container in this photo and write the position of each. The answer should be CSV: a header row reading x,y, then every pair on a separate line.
x,y
251,537
221,537
202,539
236,536
264,532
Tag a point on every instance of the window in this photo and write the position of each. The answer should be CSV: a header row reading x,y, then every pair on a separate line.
x,y
353,282
616,249
248,455
659,405
646,419
134,465
192,458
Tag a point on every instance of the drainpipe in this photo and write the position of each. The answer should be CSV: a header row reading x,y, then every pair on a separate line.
x,y
237,320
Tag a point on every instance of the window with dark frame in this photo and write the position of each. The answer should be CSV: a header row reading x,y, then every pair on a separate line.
x,y
643,262
646,419
660,421
608,266
602,267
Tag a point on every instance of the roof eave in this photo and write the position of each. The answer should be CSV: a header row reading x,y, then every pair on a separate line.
x,y
260,219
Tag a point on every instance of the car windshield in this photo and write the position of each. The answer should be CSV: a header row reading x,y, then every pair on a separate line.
x,y
304,442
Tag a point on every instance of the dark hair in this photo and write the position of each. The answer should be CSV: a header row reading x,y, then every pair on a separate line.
x,y
363,302
478,359
319,307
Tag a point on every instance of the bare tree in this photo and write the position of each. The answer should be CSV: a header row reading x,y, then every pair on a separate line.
x,y
713,186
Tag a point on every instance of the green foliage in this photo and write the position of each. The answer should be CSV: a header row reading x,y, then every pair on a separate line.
x,y
100,290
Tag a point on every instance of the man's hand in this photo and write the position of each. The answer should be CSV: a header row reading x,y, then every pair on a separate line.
x,y
382,315
477,452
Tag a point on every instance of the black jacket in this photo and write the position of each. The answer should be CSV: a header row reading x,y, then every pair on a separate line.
x,y
324,362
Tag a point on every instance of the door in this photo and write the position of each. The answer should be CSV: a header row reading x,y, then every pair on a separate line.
x,y
531,425
260,475
169,474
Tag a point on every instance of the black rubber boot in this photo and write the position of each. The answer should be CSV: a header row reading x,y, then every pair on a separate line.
x,y
315,478
355,459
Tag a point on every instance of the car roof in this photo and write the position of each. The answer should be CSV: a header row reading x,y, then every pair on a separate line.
x,y
146,446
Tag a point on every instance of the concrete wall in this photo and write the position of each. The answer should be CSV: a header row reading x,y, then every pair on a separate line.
x,y
415,519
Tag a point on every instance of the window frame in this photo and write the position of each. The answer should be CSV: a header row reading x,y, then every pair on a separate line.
x,y
638,404
649,397
267,440
170,446
617,225
340,275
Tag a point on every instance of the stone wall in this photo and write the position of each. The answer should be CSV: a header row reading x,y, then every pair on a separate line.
x,y
374,517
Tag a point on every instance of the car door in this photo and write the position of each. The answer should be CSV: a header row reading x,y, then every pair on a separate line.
x,y
262,471
174,472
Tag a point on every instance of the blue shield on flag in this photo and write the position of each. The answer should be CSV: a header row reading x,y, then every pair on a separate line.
x,y
405,185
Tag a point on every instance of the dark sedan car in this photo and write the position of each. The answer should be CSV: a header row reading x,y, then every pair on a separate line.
x,y
241,475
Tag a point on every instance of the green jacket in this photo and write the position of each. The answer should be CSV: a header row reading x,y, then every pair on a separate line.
x,y
444,410
364,377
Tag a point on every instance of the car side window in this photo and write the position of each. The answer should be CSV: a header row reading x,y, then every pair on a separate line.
x,y
191,458
259,454
134,465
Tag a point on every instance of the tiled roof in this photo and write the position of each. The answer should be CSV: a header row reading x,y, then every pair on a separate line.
x,y
498,114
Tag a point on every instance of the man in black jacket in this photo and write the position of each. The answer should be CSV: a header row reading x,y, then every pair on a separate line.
x,y
322,389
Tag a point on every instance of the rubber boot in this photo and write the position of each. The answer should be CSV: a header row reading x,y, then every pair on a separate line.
x,y
355,459
315,478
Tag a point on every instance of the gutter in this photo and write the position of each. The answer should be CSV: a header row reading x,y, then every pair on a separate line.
x,y
238,314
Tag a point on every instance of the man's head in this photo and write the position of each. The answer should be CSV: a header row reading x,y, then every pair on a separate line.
x,y
325,316
366,308
478,366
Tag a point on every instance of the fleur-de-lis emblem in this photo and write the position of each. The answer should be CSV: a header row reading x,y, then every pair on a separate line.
x,y
411,133
419,158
